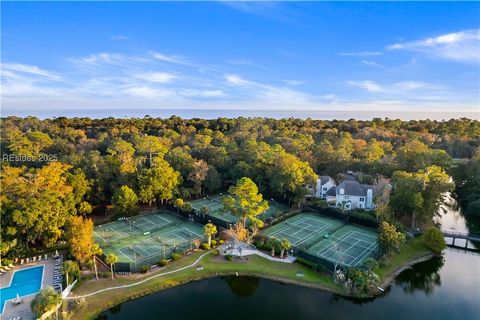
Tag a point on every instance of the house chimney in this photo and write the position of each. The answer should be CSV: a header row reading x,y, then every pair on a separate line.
x,y
369,202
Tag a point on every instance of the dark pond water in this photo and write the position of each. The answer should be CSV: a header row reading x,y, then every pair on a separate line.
x,y
445,287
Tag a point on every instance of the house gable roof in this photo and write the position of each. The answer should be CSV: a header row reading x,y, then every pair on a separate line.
x,y
331,192
325,179
353,188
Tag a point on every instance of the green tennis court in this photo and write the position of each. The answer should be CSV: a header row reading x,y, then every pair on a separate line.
x,y
302,229
130,227
145,239
327,238
350,246
215,209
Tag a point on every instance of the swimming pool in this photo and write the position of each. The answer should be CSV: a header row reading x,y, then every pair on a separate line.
x,y
24,282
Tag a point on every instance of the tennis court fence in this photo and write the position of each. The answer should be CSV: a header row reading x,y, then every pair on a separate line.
x,y
344,216
148,261
201,218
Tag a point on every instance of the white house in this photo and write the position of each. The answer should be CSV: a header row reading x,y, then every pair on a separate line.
x,y
324,183
350,194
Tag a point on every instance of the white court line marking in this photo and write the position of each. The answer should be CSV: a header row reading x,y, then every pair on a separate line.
x,y
150,221
346,236
98,235
305,228
314,234
139,248
320,252
120,250
288,226
365,253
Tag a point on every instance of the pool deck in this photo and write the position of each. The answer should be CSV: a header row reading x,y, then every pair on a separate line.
x,y
23,310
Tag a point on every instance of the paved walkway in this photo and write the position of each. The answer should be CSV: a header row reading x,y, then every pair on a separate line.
x,y
140,282
249,252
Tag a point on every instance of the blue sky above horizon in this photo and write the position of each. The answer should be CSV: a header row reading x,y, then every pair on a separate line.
x,y
407,57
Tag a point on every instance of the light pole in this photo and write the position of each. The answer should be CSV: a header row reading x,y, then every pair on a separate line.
x,y
276,203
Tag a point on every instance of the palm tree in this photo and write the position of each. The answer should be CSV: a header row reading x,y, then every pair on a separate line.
x,y
68,268
274,242
46,300
111,260
209,230
95,250
284,245
204,211
179,204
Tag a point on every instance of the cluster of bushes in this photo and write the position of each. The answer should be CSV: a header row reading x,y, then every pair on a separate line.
x,y
434,240
363,215
321,203
266,244
163,262
214,244
175,256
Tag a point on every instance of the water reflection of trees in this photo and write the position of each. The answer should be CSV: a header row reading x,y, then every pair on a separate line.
x,y
242,286
422,276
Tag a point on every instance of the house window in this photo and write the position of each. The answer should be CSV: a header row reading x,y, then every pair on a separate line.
x,y
362,199
345,197
324,189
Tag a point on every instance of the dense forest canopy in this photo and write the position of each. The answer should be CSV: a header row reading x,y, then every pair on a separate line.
x,y
76,166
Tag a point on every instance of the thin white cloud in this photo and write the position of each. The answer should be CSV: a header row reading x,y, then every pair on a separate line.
x,y
372,63
413,85
368,85
461,46
157,77
150,92
271,10
361,54
101,57
394,88
170,58
202,93
266,92
293,82
237,80
29,69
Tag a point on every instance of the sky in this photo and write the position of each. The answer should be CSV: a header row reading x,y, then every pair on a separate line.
x,y
352,57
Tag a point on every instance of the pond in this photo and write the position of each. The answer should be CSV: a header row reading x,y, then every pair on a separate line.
x,y
445,287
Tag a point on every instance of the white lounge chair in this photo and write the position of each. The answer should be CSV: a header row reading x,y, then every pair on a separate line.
x,y
22,261
34,259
